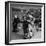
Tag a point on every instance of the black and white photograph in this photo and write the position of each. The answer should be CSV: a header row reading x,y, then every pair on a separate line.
x,y
24,22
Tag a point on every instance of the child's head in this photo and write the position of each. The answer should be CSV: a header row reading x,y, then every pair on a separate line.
x,y
15,16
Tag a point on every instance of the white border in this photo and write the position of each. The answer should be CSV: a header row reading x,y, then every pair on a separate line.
x,y
42,33
9,21
24,41
27,4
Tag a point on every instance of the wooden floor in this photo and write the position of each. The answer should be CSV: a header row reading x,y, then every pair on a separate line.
x,y
20,35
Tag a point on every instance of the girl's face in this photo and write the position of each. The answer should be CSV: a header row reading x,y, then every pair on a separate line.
x,y
15,16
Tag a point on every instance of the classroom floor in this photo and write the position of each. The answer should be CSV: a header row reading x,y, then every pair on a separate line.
x,y
20,35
